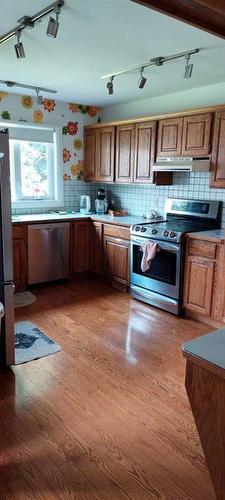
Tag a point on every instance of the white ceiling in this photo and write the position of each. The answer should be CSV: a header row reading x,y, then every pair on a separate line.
x,y
98,37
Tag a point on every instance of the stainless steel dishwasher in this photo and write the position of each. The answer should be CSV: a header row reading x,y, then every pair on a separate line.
x,y
48,252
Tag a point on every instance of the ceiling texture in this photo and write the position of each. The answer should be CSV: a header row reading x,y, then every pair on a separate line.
x,y
98,37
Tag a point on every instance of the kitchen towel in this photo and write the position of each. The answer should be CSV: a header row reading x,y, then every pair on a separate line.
x,y
149,250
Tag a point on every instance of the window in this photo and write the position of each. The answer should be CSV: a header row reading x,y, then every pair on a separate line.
x,y
36,179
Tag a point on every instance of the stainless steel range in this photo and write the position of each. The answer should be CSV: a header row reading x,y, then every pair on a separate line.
x,y
161,285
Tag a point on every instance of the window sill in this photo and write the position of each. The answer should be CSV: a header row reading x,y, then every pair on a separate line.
x,y
26,205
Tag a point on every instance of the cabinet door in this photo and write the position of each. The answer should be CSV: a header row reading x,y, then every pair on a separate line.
x,y
116,259
91,154
106,154
198,284
145,151
81,241
96,245
20,262
170,137
125,137
218,152
196,135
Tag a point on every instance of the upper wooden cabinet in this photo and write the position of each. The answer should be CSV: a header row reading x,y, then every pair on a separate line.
x,y
169,141
99,150
218,152
196,135
145,139
125,144
185,136
106,154
91,153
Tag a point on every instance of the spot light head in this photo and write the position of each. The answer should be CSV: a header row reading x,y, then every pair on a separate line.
x,y
110,85
19,48
142,79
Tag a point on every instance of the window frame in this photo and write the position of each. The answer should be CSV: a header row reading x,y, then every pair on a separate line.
x,y
43,202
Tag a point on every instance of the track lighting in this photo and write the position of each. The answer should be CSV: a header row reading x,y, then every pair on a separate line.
x,y
19,48
188,67
39,97
142,79
156,61
110,85
53,24
28,22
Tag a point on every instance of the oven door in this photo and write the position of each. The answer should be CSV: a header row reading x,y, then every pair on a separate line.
x,y
164,274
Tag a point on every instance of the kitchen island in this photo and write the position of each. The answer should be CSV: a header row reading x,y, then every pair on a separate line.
x,y
205,385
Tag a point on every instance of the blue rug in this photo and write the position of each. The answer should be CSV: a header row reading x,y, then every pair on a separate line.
x,y
31,343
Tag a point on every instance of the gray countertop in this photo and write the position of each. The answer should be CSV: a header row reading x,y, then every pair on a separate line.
x,y
127,220
208,349
215,235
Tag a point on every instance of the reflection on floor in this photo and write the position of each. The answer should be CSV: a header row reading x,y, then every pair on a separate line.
x,y
108,416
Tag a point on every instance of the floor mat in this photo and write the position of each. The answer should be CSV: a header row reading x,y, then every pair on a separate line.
x,y
23,299
31,343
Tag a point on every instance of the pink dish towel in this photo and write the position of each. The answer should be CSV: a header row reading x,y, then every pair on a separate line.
x,y
149,251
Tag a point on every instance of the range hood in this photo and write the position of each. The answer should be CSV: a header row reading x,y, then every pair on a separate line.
x,y
181,164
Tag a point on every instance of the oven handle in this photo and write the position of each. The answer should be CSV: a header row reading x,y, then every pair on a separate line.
x,y
172,247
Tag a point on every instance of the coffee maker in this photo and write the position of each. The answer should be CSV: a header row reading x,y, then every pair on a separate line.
x,y
101,204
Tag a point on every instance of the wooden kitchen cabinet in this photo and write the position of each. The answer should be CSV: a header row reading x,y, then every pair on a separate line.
x,y
145,140
169,140
106,154
116,253
96,247
204,281
20,257
125,149
185,136
199,284
81,247
99,151
91,153
196,135
218,152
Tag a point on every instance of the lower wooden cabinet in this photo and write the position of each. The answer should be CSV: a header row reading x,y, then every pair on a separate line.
x,y
81,246
20,261
116,251
204,281
199,284
116,259
96,247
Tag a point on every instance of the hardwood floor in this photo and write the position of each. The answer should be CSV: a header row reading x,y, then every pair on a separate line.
x,y
108,416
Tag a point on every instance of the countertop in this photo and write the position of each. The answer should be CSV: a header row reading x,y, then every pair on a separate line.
x,y
208,351
127,220
215,235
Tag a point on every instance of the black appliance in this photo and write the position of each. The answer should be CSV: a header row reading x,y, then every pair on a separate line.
x,y
161,285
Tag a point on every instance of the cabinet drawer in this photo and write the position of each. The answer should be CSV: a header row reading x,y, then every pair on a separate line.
x,y
202,248
117,231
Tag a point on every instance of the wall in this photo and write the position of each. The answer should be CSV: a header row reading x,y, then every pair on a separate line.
x,y
71,117
208,95
139,200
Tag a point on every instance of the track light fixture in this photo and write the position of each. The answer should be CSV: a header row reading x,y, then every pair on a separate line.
x,y
142,79
53,24
39,97
19,48
156,61
110,85
188,67
29,22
